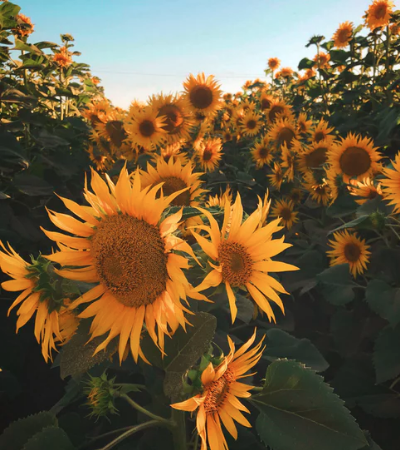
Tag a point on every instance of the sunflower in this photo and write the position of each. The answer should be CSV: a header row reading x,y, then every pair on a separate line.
x,y
322,60
263,207
102,162
319,192
63,57
378,14
174,177
221,199
310,73
354,157
288,162
112,129
265,101
242,257
262,152
227,97
283,132
25,25
303,125
274,63
221,389
367,189
391,184
209,153
286,72
97,112
144,127
343,35
277,107
250,124
394,29
276,178
227,135
173,151
284,210
314,156
202,94
177,119
349,248
125,247
34,298
295,195
322,131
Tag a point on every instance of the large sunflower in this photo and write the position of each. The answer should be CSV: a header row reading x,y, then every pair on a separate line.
x,y
349,248
174,177
354,157
145,127
283,132
391,184
209,153
262,152
314,156
378,14
202,94
242,257
285,210
221,389
251,123
123,244
343,35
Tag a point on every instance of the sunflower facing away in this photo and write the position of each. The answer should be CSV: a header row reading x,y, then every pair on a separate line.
x,y
262,152
366,190
202,94
124,246
391,184
285,210
349,248
343,35
378,14
221,389
242,257
276,178
145,127
251,123
354,157
209,153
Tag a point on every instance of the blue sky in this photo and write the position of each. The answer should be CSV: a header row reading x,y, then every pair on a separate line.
x,y
142,47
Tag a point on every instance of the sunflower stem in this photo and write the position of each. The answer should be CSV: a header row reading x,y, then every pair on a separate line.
x,y
196,441
179,431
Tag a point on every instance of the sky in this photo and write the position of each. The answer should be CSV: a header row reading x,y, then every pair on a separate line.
x,y
143,47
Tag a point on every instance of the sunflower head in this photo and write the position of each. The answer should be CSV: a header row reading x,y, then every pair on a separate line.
x,y
303,125
276,177
100,396
285,210
343,35
144,127
250,123
97,112
286,72
322,60
284,133
262,152
319,190
112,129
209,153
378,14
322,131
366,190
174,151
278,107
202,94
274,63
391,184
63,57
25,26
314,156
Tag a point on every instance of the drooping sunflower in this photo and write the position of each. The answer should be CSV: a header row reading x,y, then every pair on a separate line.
x,y
322,131
343,35
349,248
221,389
366,189
285,210
354,157
174,151
278,107
303,125
25,25
378,14
322,60
145,127
283,132
202,94
242,257
314,156
34,298
209,153
177,118
319,191
274,63
124,246
391,184
63,57
276,178
251,123
174,177
262,152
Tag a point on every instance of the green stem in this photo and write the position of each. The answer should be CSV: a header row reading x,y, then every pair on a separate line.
x,y
196,441
387,48
257,388
102,436
179,432
133,430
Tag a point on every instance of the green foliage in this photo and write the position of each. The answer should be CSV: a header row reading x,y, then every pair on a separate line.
x,y
49,438
337,285
384,300
387,354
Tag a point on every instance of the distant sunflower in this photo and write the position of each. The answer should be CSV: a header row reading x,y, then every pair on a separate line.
x,y
274,63
366,189
102,162
177,118
288,162
310,73
63,57
343,35
25,25
303,125
262,152
276,178
209,153
277,107
221,389
295,195
112,129
322,131
379,13
220,200
319,192
242,257
126,248
322,60
286,72
283,132
391,184
314,156
97,112
285,210
174,177
265,101
354,157
174,151
349,248
145,127
227,135
202,94
250,124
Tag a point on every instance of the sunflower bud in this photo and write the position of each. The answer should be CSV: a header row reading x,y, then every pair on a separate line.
x,y
377,220
100,396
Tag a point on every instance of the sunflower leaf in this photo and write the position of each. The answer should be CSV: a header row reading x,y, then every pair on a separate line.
x,y
298,411
336,284
49,438
384,300
387,354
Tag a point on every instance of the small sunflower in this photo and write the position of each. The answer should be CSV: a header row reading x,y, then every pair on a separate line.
x,y
285,210
379,13
288,162
349,248
283,132
322,60
221,389
25,25
102,162
343,35
97,112
391,184
309,73
286,72
112,129
278,107
202,94
276,178
63,57
265,101
295,195
322,131
314,156
274,63
354,157
173,151
145,127
367,189
221,199
250,124
303,125
319,192
209,153
262,152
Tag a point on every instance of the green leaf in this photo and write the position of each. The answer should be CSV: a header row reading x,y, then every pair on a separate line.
x,y
32,185
384,300
360,222
20,45
18,433
336,284
49,438
372,445
387,354
298,411
185,349
280,344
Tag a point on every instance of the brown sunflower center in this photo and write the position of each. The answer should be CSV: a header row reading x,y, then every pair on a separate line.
x,y
263,152
317,157
174,118
251,124
147,128
380,12
174,184
265,103
344,35
217,391
236,263
116,133
286,214
129,257
274,111
319,136
201,97
286,136
207,154
355,161
352,252
295,196
372,193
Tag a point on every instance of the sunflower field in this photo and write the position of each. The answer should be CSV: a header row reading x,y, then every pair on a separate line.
x,y
205,270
